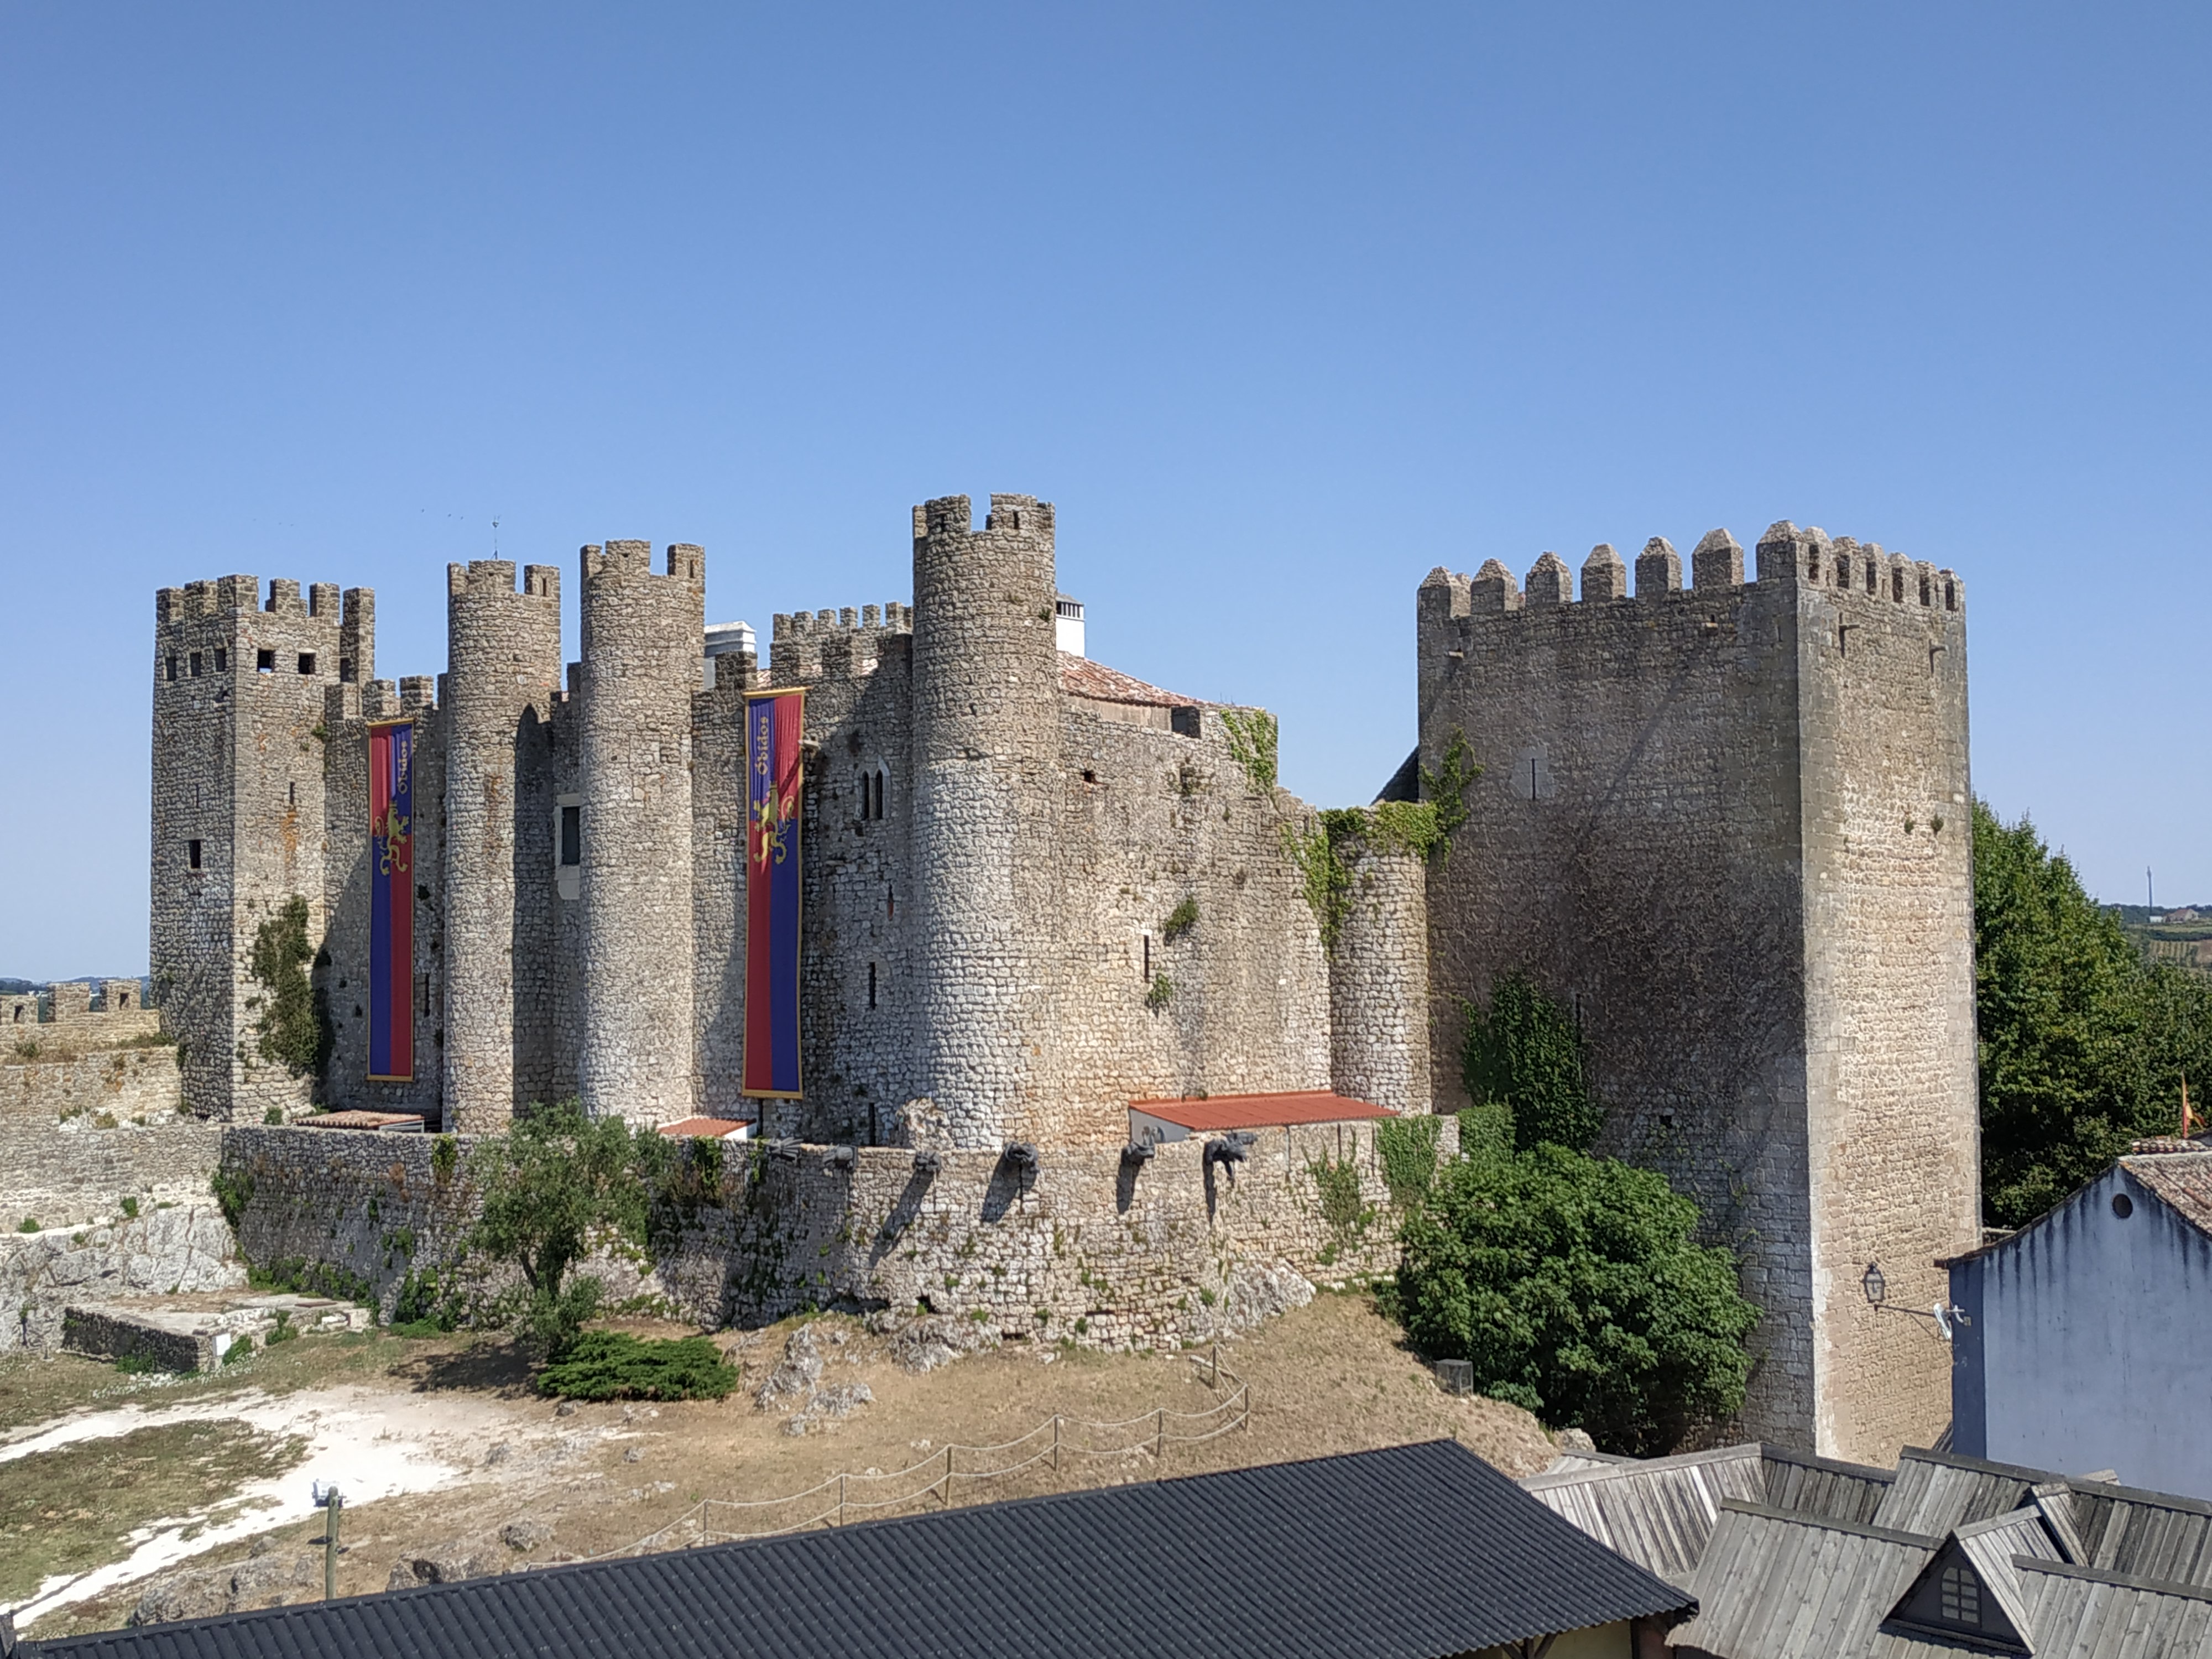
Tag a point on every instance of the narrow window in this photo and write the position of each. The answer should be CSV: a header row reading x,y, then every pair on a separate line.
x,y
1897,586
307,662
1147,974
572,834
871,985
879,782
1926,597
1813,567
292,794
1950,595
891,904
192,849
196,665
1843,572
172,668
264,662
221,659
345,671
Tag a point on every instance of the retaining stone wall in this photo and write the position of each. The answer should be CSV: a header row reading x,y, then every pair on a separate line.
x,y
157,1255
1112,1255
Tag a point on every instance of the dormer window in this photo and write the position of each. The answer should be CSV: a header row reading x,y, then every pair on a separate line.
x,y
1952,1600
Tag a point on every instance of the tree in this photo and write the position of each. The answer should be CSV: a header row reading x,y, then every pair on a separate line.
x,y
1524,1052
1575,1287
558,1184
2083,1045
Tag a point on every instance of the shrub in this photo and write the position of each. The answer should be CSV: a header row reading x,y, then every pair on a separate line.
x,y
1525,1053
615,1366
27,1225
285,1330
130,1208
234,1191
1160,993
1180,921
1575,1287
1408,1149
1252,742
136,1364
1486,1131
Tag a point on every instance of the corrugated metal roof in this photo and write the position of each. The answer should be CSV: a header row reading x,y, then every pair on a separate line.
x,y
1261,1111
1413,1553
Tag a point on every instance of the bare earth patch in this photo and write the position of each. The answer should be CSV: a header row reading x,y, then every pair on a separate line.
x,y
505,1480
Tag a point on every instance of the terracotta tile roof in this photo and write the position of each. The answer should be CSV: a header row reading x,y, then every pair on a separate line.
x,y
399,1122
1260,1111
2182,1180
705,1127
1080,677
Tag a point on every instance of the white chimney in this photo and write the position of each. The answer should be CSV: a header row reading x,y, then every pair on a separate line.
x,y
1068,624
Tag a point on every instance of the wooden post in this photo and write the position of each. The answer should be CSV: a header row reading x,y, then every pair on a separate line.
x,y
840,1500
331,1546
1217,1367
948,1474
1055,1443
1159,1433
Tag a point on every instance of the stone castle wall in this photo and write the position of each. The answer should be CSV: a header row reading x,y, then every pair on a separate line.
x,y
67,1177
1378,981
130,1083
1110,1253
1647,840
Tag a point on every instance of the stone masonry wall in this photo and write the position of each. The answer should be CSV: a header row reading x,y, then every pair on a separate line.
x,y
65,1177
1085,1245
131,1083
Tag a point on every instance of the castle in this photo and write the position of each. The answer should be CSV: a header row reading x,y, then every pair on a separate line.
x,y
1037,891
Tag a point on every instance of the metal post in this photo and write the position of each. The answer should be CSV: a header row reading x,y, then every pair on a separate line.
x,y
331,1546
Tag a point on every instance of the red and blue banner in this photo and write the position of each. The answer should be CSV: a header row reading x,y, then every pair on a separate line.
x,y
392,902
775,725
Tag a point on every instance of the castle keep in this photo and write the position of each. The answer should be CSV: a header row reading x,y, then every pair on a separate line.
x,y
1725,823
1728,824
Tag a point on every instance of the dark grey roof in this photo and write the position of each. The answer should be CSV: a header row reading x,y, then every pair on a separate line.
x,y
1413,1553
1659,1511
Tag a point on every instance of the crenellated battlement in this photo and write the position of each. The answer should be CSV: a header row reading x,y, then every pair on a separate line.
x,y
954,515
685,561
1788,558
834,643
223,595
497,576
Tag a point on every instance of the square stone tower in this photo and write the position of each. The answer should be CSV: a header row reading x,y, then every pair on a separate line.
x,y
238,778
1728,827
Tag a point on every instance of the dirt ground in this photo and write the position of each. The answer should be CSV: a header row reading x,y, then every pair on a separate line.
x,y
449,1431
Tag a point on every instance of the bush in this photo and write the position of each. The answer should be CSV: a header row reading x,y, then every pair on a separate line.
x,y
1408,1146
1524,1053
295,1027
615,1366
130,1208
1575,1287
1486,1131
29,1223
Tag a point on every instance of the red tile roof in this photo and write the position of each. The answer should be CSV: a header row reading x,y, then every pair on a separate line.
x,y
1080,677
400,1121
710,1128
1260,1111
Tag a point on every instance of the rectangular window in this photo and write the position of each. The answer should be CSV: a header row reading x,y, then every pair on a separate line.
x,y
871,985
572,834
172,668
192,852
345,671
292,794
221,661
307,662
264,662
196,665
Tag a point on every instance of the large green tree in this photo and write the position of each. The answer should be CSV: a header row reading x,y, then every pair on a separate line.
x,y
2084,1045
1577,1286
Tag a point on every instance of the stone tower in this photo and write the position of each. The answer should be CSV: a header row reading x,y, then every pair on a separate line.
x,y
643,634
504,671
238,811
1728,826
986,780
1378,980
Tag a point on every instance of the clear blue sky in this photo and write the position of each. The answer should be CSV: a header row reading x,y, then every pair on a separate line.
x,y
1282,305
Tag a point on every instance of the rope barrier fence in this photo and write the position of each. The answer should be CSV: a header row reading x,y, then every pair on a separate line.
x,y
847,1495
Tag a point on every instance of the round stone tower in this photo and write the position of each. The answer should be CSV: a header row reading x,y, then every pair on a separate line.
x,y
1378,980
503,667
643,636
985,746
